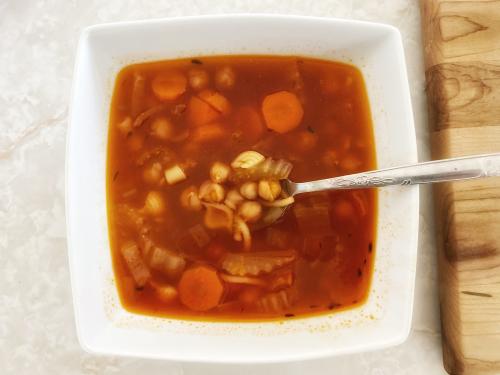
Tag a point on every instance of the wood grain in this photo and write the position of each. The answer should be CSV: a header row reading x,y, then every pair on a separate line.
x,y
462,52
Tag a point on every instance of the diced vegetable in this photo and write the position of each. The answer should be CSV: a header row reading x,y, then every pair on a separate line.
x,y
248,280
218,216
200,288
282,111
247,159
255,263
211,192
274,302
174,175
190,200
225,78
277,238
138,94
155,203
219,172
169,85
216,101
269,190
250,211
135,263
199,235
167,262
198,78
319,247
279,280
199,112
249,190
313,219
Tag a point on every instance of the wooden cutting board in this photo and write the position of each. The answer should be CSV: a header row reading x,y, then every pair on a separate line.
x,y
462,55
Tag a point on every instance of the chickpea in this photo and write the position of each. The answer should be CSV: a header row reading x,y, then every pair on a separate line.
x,y
190,199
198,78
233,199
219,172
250,211
211,192
269,190
225,78
249,190
162,128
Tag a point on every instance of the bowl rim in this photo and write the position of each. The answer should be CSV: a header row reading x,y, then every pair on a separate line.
x,y
412,151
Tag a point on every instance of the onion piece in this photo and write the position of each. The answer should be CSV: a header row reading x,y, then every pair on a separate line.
x,y
274,302
279,203
253,264
135,263
241,230
168,262
248,280
138,94
174,175
268,169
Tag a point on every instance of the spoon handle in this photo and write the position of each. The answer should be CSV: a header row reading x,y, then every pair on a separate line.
x,y
463,168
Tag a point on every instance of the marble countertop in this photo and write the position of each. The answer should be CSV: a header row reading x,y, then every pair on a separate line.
x,y
38,44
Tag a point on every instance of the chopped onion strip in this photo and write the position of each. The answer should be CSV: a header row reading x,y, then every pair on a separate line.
x,y
141,119
241,228
279,203
268,169
242,280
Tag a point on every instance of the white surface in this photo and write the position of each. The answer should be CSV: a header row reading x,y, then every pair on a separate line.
x,y
37,334
103,326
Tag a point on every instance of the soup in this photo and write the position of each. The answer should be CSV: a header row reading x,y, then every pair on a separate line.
x,y
199,224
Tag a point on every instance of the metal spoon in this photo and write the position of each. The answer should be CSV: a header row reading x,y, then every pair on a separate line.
x,y
463,168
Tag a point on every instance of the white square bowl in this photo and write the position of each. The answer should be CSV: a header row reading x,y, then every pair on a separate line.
x,y
103,326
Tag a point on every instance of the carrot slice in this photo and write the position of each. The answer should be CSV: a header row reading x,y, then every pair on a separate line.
x,y
199,112
200,288
208,133
282,111
169,85
216,100
248,120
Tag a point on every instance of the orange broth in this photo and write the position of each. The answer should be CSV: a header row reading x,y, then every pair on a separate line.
x,y
330,234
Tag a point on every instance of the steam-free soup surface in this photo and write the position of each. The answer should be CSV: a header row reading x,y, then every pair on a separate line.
x,y
196,150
